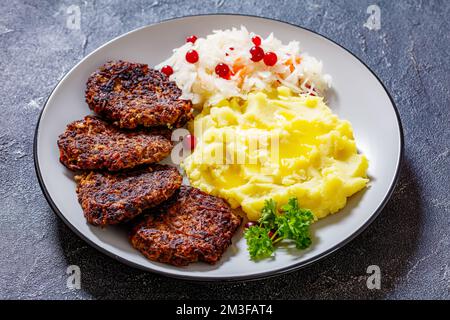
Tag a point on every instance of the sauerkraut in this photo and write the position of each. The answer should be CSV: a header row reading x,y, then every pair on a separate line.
x,y
297,70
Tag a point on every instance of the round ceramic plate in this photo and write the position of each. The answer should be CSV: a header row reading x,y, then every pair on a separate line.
x,y
357,96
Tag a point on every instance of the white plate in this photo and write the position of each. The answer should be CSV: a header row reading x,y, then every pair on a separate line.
x,y
358,96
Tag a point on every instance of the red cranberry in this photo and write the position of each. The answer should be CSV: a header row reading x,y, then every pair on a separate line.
x,y
192,56
191,39
223,71
256,41
312,92
189,142
257,53
271,233
270,59
167,70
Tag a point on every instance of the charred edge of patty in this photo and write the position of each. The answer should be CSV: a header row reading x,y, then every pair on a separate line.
x,y
96,192
78,142
114,90
157,239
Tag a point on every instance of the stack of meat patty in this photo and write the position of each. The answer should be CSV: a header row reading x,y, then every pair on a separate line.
x,y
116,155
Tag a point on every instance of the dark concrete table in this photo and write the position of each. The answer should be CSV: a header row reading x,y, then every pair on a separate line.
x,y
410,239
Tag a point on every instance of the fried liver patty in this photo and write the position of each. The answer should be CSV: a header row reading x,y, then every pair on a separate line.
x,y
111,198
132,94
191,226
91,144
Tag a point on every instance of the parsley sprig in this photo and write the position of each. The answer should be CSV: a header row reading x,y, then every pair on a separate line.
x,y
292,223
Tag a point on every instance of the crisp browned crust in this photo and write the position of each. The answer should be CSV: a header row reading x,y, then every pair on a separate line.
x,y
132,94
111,198
91,144
191,226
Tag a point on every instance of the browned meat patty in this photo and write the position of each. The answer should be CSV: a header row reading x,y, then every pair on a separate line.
x,y
92,143
191,226
132,94
111,198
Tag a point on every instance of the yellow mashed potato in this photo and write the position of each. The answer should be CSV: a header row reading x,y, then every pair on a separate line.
x,y
276,145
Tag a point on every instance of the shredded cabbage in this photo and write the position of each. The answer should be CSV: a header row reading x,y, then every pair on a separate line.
x,y
294,69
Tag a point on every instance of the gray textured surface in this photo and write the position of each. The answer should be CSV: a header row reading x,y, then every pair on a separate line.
x,y
410,239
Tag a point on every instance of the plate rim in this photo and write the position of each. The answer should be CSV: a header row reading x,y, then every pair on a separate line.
x,y
258,276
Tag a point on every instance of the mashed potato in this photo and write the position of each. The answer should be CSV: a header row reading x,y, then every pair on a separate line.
x,y
276,145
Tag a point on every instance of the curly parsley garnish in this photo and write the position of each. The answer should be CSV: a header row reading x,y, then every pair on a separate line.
x,y
292,223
